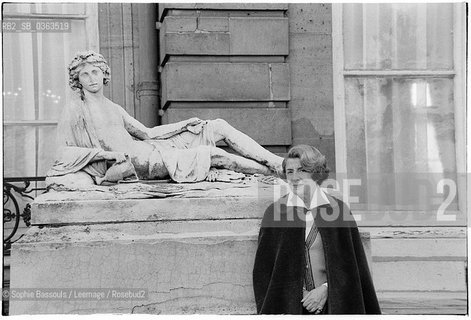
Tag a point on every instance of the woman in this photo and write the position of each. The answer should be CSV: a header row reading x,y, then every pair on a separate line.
x,y
310,258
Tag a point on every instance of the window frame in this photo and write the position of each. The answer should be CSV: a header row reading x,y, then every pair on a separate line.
x,y
459,86
90,19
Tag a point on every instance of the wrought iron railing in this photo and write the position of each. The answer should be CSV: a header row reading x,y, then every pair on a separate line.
x,y
13,188
12,213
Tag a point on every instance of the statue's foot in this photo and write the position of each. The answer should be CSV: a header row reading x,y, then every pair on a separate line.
x,y
269,179
212,175
224,175
277,171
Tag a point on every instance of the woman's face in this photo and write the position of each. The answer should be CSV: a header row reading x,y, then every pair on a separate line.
x,y
299,179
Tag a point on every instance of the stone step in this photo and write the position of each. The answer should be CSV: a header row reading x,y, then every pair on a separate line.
x,y
420,275
423,302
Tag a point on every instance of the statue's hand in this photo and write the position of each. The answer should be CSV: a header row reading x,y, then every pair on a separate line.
x,y
116,156
193,122
120,157
196,129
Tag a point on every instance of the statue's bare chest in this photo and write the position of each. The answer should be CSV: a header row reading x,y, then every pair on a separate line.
x,y
106,117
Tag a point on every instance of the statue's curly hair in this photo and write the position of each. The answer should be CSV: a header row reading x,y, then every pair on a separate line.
x,y
82,58
312,160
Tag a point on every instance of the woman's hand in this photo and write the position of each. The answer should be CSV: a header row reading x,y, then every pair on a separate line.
x,y
315,299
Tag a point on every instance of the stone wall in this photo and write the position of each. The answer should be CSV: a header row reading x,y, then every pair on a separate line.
x,y
310,62
227,61
265,68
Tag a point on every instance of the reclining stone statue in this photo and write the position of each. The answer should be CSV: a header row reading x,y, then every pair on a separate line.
x,y
94,132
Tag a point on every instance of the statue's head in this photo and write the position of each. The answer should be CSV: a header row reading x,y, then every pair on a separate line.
x,y
80,60
311,161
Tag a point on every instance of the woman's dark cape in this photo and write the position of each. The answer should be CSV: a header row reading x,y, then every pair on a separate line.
x,y
279,261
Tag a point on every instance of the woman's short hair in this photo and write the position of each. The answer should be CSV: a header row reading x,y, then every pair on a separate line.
x,y
312,160
82,58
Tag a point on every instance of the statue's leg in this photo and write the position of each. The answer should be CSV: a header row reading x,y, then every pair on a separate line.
x,y
245,145
226,160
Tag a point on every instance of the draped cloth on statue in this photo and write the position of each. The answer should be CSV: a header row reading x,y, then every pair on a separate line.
x,y
77,143
186,155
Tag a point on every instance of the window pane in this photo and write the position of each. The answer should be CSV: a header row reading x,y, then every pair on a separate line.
x,y
19,151
46,149
398,36
20,155
53,84
399,130
35,74
51,8
35,85
18,79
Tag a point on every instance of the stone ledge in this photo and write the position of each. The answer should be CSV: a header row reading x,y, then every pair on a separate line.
x,y
100,206
423,302
184,231
99,211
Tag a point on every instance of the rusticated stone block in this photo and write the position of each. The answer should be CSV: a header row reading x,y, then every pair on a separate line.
x,y
213,24
180,24
164,7
279,82
225,82
214,43
259,36
224,36
267,126
229,105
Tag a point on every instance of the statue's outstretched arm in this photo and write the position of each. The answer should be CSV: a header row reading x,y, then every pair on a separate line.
x,y
164,131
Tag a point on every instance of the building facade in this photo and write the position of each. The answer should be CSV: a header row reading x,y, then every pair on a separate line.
x,y
378,88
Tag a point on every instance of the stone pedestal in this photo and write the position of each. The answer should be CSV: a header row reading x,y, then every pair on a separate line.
x,y
187,255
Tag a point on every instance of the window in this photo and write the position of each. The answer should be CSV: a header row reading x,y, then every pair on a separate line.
x,y
399,103
35,81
